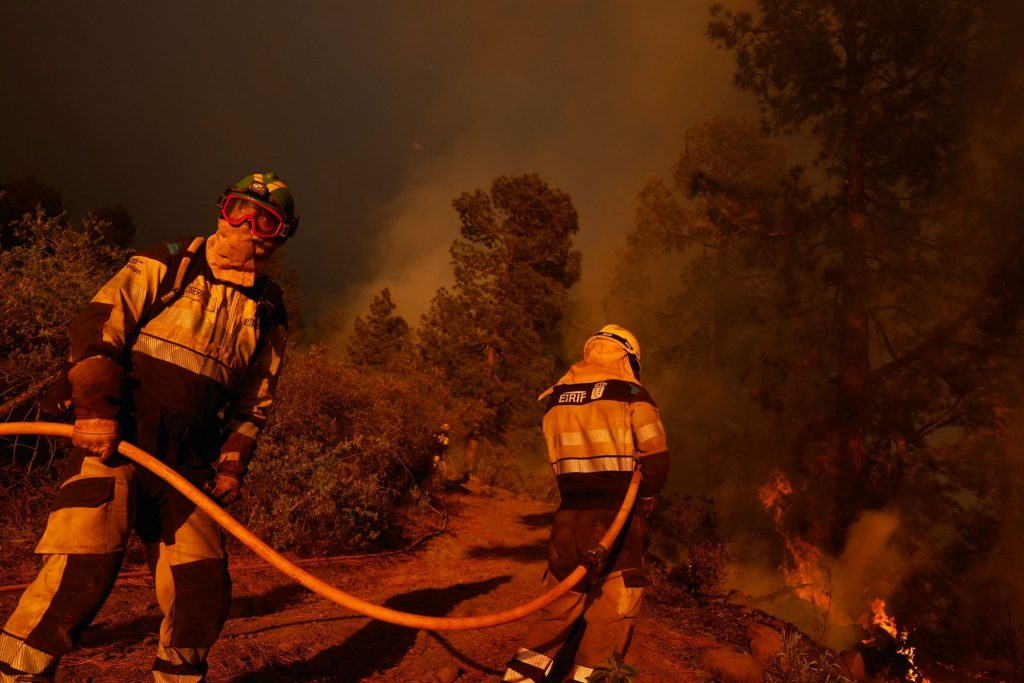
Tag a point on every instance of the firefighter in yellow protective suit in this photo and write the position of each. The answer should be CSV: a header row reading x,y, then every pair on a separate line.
x,y
179,353
600,424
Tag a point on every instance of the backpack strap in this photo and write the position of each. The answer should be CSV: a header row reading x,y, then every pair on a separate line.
x,y
170,288
184,265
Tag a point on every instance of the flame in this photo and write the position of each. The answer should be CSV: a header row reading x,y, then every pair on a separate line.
x,y
803,570
881,619
773,496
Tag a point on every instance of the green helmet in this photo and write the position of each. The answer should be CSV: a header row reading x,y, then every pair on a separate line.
x,y
264,187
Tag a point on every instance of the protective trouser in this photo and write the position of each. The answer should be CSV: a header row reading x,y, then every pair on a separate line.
x,y
609,609
84,543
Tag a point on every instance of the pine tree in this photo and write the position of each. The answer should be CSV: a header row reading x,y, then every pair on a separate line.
x,y
494,335
877,85
377,339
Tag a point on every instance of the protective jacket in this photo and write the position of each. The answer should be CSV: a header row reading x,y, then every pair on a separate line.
x,y
599,423
191,379
209,359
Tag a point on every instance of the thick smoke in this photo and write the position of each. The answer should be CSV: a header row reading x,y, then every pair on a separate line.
x,y
591,101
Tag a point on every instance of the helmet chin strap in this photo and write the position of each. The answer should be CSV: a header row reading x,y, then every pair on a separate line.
x,y
231,255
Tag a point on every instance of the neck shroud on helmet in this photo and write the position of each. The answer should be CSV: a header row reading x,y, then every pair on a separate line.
x,y
621,338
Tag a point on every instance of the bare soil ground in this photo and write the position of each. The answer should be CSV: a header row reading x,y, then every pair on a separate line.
x,y
491,557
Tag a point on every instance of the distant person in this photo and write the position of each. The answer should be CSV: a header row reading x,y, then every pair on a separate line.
x,y
441,448
600,424
178,353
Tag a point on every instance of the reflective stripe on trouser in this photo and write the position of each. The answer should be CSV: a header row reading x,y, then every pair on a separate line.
x,y
528,665
25,662
609,610
179,664
84,543
580,673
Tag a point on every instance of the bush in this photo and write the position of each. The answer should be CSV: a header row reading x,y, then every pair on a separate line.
x,y
50,272
346,454
45,278
518,462
686,551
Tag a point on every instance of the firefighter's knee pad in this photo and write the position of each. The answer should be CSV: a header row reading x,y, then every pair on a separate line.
x,y
200,597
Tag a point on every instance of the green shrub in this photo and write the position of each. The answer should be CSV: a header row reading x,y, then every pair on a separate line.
x,y
45,278
686,551
345,455
50,271
518,462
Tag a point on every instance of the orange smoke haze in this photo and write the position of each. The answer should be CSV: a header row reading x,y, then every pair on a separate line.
x,y
593,101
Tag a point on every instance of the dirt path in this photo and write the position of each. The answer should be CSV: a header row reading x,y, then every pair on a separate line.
x,y
491,558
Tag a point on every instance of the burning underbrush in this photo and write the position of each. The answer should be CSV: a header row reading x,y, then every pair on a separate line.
x,y
870,602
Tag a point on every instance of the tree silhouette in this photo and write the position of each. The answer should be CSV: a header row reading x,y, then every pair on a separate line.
x,y
378,338
877,86
495,334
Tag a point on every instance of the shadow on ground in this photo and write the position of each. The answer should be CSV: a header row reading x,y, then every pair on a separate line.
x,y
538,520
138,628
377,646
526,553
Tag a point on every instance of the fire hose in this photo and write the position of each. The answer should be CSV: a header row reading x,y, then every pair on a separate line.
x,y
594,558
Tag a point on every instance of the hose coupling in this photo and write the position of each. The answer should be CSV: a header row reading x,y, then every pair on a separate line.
x,y
595,557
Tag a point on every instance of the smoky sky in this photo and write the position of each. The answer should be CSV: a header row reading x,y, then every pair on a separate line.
x,y
376,114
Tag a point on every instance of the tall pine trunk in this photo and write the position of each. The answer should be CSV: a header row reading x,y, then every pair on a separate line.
x,y
853,362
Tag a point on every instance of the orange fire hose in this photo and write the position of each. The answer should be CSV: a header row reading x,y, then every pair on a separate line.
x,y
419,621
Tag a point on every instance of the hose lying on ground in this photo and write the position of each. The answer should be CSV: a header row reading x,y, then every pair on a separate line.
x,y
321,588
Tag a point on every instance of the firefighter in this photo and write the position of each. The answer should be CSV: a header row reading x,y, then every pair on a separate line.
x,y
600,423
179,353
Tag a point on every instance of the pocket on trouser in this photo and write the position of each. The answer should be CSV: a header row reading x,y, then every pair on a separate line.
x,y
91,512
613,600
187,533
610,619
562,555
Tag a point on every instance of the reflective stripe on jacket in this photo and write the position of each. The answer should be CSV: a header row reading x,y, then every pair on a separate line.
x,y
203,353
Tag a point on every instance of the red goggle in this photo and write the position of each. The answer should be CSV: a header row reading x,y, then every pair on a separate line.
x,y
265,220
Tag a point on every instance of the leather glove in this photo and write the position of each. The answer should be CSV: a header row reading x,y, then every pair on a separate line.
x,y
99,436
96,384
225,488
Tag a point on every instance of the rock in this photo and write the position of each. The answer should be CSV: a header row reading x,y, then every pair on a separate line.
x,y
732,667
765,642
446,674
853,665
